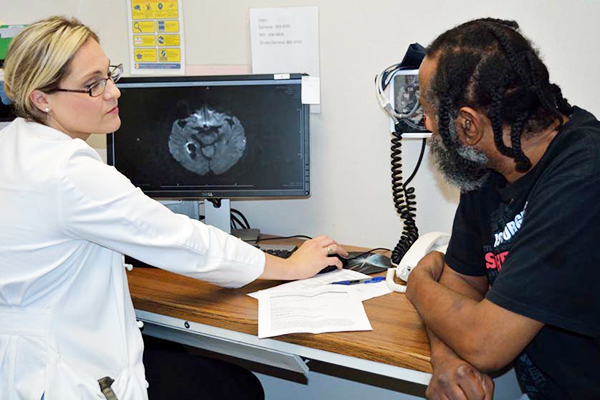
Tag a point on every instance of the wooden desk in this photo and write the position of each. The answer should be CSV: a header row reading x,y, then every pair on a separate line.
x,y
189,311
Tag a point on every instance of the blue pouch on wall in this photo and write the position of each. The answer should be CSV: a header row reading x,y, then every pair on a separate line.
x,y
6,110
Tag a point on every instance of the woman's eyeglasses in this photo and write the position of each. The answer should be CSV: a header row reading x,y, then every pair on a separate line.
x,y
97,88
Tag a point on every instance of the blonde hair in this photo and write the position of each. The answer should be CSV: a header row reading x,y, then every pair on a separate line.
x,y
39,58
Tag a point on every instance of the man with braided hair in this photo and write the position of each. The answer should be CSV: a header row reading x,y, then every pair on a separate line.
x,y
518,281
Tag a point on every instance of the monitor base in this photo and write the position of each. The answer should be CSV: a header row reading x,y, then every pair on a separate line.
x,y
219,217
247,235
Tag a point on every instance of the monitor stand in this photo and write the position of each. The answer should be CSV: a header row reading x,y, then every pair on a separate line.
x,y
247,235
221,218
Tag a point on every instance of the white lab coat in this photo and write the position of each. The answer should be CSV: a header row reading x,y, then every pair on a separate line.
x,y
66,316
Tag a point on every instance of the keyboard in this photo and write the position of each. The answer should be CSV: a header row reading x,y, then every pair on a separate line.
x,y
278,250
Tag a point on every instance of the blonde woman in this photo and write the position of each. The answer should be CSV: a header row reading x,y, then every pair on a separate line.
x,y
67,324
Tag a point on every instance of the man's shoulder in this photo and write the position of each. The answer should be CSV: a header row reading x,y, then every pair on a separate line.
x,y
576,149
583,118
583,127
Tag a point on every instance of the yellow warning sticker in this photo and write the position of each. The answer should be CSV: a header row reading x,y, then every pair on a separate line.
x,y
144,55
167,40
144,40
169,55
167,26
143,27
150,9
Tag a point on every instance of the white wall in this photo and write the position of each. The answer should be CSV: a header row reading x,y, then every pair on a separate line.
x,y
351,198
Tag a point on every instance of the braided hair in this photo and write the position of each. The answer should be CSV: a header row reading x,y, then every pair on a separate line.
x,y
488,65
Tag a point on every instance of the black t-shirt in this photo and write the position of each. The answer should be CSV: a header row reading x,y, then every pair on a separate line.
x,y
538,242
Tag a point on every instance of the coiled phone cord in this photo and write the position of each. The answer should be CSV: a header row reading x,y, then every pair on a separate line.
x,y
404,198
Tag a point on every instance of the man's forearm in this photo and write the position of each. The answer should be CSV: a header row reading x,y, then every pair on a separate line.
x,y
438,348
435,302
482,333
451,281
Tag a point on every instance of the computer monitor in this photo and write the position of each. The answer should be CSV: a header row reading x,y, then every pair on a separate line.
x,y
213,137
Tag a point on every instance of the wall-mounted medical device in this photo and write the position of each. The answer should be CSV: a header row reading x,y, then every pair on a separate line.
x,y
397,89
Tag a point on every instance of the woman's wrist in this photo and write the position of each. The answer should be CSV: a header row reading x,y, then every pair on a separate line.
x,y
276,268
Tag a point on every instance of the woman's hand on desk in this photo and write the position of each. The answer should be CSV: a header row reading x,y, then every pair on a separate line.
x,y
314,255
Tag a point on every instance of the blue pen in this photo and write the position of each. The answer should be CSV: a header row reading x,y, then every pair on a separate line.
x,y
357,281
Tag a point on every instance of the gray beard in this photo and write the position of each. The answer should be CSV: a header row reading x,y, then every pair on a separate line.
x,y
463,167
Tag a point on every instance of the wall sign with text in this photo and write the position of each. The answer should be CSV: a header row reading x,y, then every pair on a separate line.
x,y
156,37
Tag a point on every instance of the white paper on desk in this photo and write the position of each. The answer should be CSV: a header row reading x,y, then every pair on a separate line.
x,y
329,308
370,290
364,292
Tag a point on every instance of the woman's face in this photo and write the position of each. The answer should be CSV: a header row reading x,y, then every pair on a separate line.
x,y
78,114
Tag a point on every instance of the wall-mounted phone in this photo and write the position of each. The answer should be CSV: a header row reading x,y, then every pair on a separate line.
x,y
432,241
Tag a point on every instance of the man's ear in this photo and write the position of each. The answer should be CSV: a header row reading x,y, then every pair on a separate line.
x,y
469,126
40,100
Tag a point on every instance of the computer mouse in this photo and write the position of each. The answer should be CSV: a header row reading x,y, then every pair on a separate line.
x,y
333,267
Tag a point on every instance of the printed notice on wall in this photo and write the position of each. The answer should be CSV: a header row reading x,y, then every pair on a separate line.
x,y
286,40
156,37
